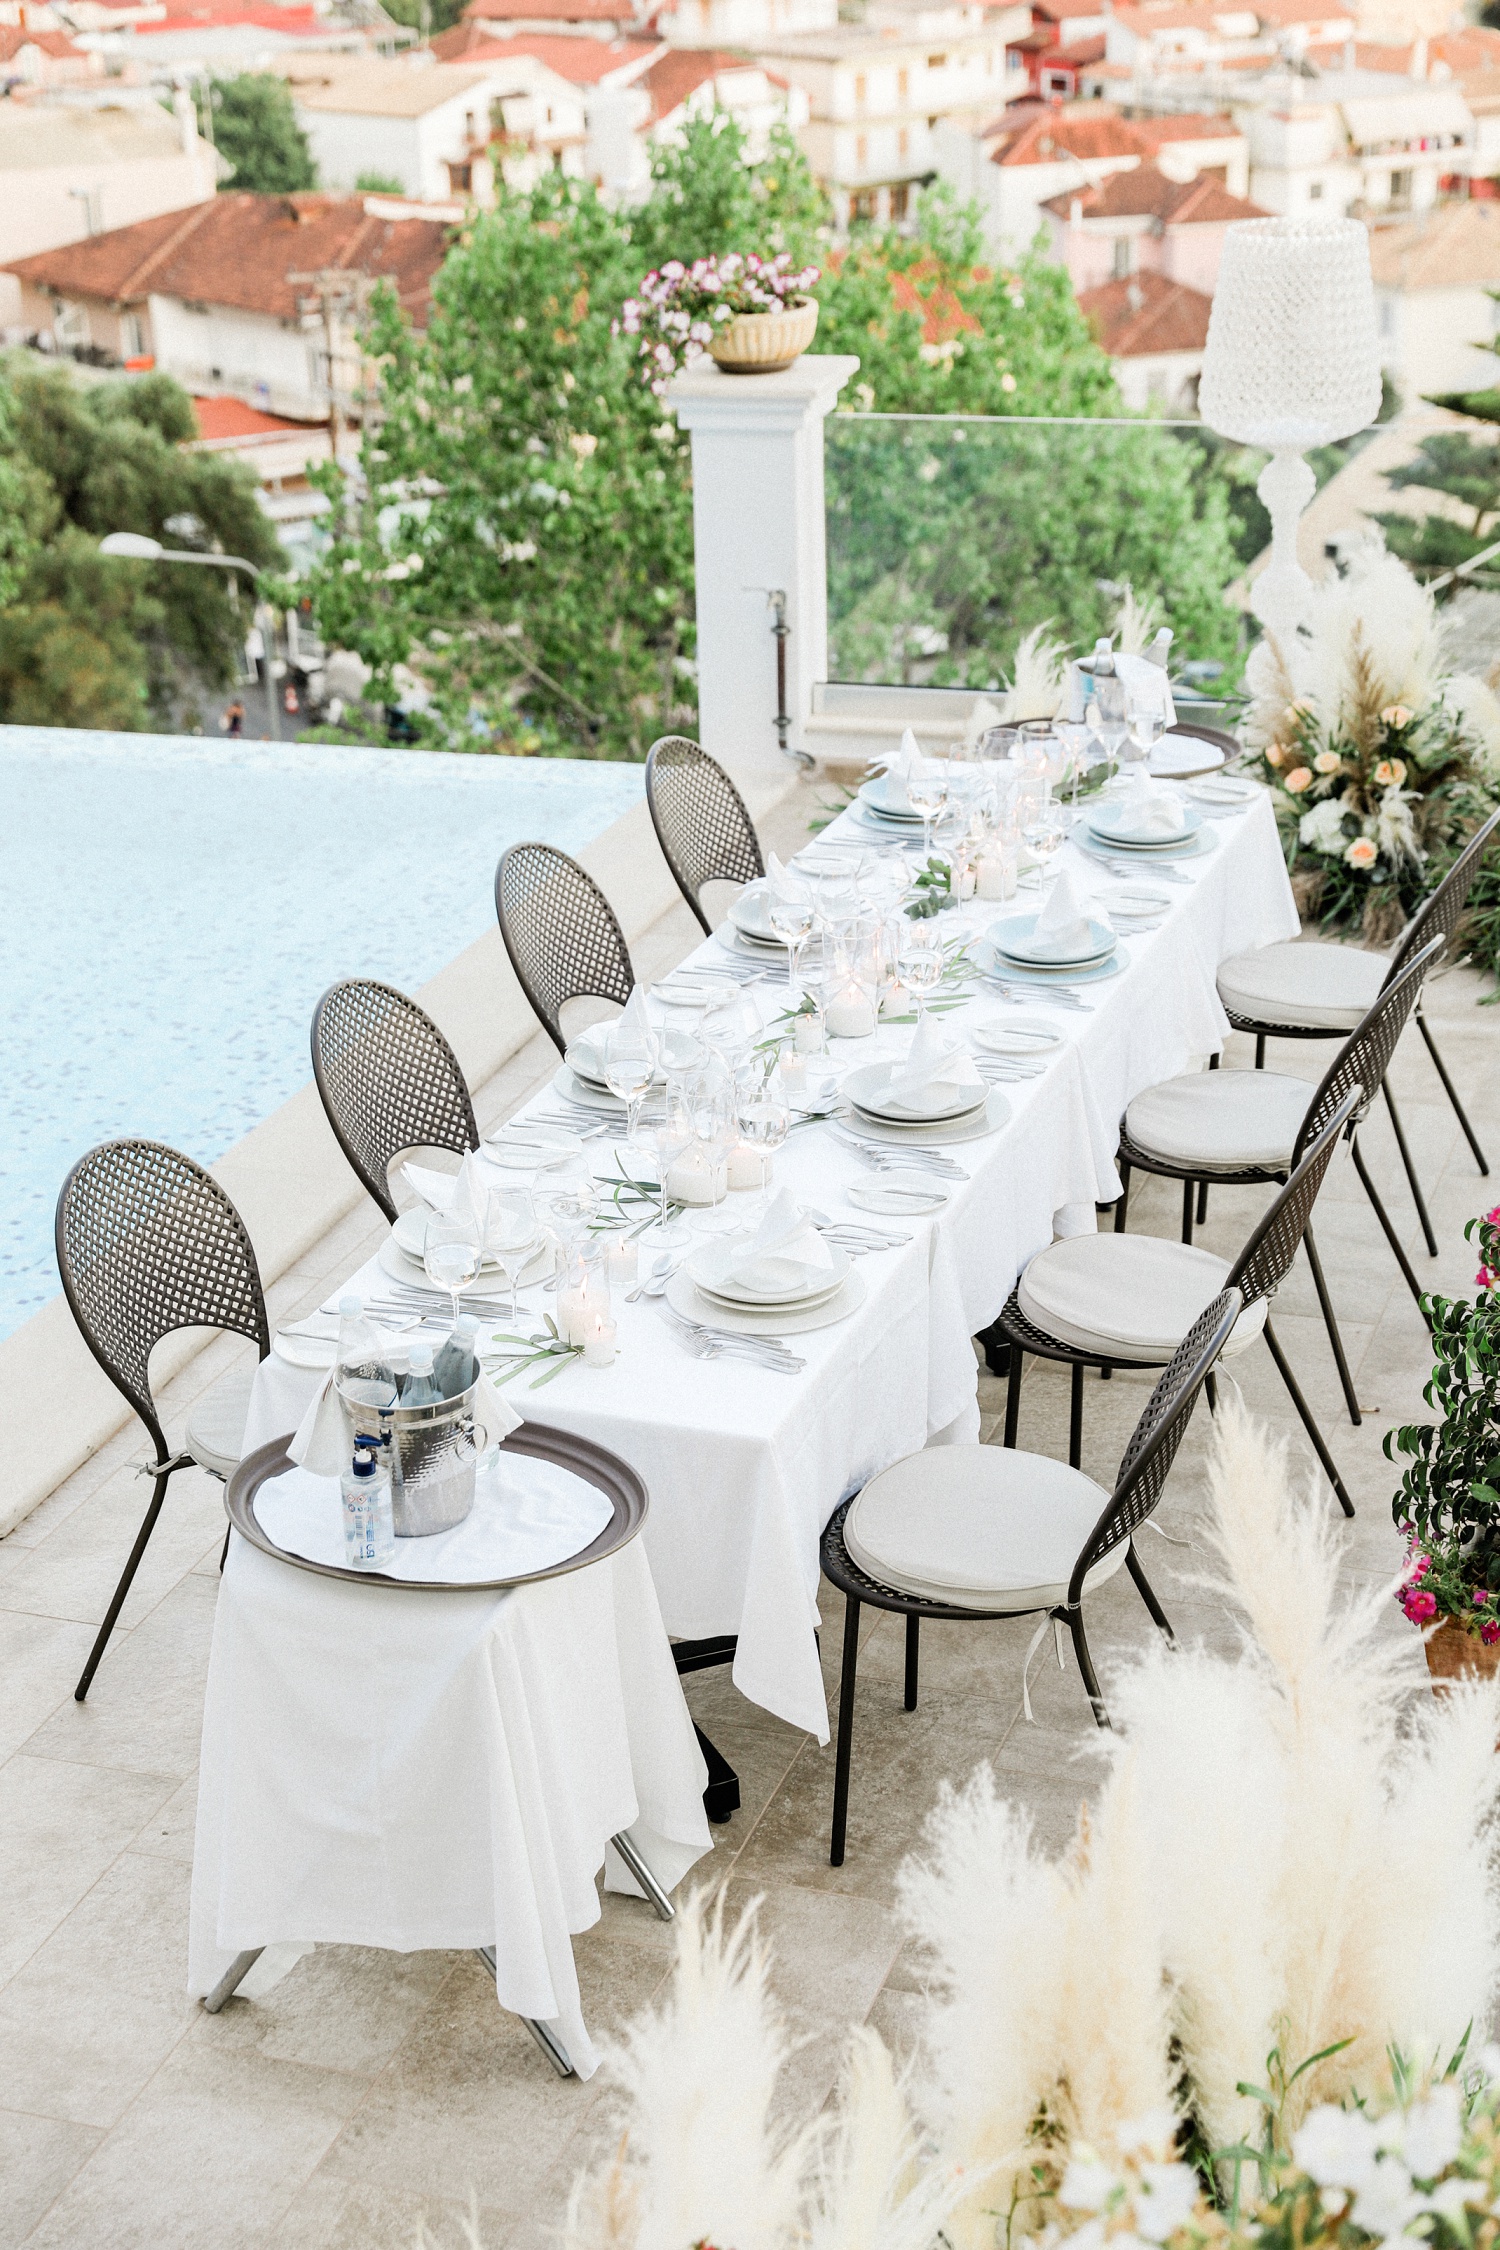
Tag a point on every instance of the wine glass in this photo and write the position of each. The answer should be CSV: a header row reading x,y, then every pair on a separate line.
x,y
569,1196
921,962
1046,833
452,1253
791,914
510,1235
1146,729
629,1054
671,1136
927,793
764,1121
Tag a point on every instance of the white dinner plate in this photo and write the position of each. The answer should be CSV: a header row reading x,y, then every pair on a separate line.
x,y
868,1089
305,1351
899,1195
1015,939
1181,753
730,1303
751,913
572,1088
739,943
776,1320
1016,1035
708,1268
524,1146
394,1260
888,805
410,1235
1100,824
989,964
989,1119
1188,847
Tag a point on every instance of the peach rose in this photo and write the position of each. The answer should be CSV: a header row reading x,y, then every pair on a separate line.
x,y
1390,773
1299,780
1395,715
1274,753
1327,761
1363,852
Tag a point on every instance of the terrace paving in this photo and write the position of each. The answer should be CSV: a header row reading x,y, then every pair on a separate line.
x,y
368,2091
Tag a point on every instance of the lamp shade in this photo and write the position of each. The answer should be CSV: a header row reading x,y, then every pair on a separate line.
x,y
1292,359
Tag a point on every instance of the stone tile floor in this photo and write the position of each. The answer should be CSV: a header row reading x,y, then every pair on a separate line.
x,y
367,2091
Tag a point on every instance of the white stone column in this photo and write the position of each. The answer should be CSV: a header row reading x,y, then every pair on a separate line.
x,y
758,529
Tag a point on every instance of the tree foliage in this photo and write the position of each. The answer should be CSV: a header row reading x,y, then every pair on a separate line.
x,y
256,130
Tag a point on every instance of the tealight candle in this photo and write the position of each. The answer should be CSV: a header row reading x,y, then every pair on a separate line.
x,y
696,1178
624,1262
895,1000
997,876
572,1312
794,1073
744,1166
599,1344
850,1015
807,1035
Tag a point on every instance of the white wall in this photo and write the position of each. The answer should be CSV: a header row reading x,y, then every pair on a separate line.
x,y
38,212
1429,339
249,354
414,150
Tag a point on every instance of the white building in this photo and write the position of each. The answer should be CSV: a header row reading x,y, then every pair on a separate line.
x,y
1357,141
751,24
1027,156
1434,310
422,124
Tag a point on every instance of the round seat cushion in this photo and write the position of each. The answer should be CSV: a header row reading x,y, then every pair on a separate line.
x,y
1221,1120
1127,1297
980,1527
1310,986
215,1434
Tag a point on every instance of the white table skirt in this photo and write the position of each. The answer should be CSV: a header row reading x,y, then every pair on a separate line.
x,y
418,1770
744,1468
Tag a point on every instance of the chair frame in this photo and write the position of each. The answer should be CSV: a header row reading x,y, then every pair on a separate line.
x,y
168,1289
374,1121
592,959
1362,1062
1257,1272
706,834
1138,1485
1441,911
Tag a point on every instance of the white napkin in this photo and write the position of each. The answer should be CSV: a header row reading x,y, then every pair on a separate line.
x,y
1061,929
898,770
937,1067
1147,687
1145,808
321,1441
786,1250
462,1194
984,715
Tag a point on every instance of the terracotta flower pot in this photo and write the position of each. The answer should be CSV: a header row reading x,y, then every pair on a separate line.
x,y
762,343
1451,1653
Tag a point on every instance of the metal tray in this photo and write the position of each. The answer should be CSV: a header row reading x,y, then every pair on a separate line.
x,y
613,1477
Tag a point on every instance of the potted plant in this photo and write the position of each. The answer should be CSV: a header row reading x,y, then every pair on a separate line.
x,y
751,314
1448,1504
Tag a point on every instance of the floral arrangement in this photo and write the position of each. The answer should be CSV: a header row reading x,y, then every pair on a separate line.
x,y
1448,1504
1288,1858
678,307
1382,761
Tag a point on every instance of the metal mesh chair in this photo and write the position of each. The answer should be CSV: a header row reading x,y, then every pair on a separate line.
x,y
1437,917
560,932
700,820
1361,1064
1138,1487
389,1081
1257,1273
148,1243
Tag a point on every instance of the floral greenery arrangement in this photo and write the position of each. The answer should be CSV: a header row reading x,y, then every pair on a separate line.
x,y
678,308
1382,761
1448,1504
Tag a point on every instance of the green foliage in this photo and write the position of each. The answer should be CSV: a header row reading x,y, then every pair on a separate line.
x,y
426,15
1466,468
378,183
706,198
256,130
85,639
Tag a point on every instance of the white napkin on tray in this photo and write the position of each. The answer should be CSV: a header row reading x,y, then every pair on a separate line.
x,y
785,1250
321,1442
1144,808
936,1070
1061,930
1147,687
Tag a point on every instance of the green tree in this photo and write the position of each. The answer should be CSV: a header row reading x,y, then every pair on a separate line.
x,y
426,16
378,183
707,197
256,130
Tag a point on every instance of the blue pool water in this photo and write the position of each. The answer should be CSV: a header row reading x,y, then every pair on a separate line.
x,y
170,910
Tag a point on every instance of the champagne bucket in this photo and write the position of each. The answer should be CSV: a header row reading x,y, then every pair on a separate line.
x,y
434,1452
1106,689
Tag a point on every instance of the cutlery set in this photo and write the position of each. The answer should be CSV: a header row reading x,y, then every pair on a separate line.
x,y
702,1342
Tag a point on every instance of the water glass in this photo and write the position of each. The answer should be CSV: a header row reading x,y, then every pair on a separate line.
x,y
764,1121
510,1235
921,963
791,917
451,1254
630,1057
927,793
671,1137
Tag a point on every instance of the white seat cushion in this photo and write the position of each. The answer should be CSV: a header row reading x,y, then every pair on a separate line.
x,y
1221,1120
1128,1297
1311,986
216,1425
979,1526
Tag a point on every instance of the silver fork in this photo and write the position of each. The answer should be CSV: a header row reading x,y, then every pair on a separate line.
x,y
763,1351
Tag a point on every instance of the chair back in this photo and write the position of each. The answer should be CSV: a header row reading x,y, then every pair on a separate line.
x,y
147,1243
560,932
1364,1058
389,1081
1263,1264
1438,916
700,820
1157,1435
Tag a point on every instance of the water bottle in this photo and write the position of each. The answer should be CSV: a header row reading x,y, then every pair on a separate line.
x,y
457,1364
1160,651
362,1370
369,1526
421,1387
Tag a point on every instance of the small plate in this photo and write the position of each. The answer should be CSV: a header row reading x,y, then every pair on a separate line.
x,y
751,914
1224,789
867,1088
1098,824
878,797
305,1351
1181,753
1016,1035
1014,939
900,1196
789,1320
708,1269
525,1147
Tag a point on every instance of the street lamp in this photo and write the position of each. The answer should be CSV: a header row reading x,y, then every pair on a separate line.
x,y
137,546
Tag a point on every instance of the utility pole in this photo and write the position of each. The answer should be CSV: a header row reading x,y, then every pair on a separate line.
x,y
337,294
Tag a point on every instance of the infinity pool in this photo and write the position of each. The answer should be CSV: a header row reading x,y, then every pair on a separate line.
x,y
171,909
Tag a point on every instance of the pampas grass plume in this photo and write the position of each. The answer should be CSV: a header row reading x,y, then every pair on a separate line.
x,y
874,2190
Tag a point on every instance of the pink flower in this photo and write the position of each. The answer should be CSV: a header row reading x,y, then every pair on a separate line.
x,y
1390,773
1298,779
1420,1606
1363,852
1484,1279
1395,715
1492,1218
1489,1632
1481,1594
1419,1570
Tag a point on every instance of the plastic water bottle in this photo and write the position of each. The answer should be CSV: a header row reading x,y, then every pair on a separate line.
x,y
363,1370
369,1526
457,1362
421,1387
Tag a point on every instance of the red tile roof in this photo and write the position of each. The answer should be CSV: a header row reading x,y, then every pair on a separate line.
x,y
261,15
57,43
1059,133
1155,131
239,249
550,11
1145,314
584,62
220,418
1145,193
679,71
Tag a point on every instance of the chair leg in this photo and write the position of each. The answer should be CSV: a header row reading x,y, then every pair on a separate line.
x,y
1211,1392
1452,1093
1124,1197
1411,1171
1187,1211
1075,1417
1074,1619
1202,1201
1147,1592
1260,1050
1013,1394
1330,1468
846,1732
224,1550
1330,1322
148,1525
1384,1217
913,1652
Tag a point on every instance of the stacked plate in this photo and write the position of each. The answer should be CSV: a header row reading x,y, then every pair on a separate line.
x,y
868,1093
585,1059
1017,946
1104,824
882,805
401,1252
751,916
712,1275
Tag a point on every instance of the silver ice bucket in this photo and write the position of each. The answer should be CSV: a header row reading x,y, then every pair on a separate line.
x,y
434,1452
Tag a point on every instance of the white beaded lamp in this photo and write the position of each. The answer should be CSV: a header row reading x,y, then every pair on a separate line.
x,y
1292,361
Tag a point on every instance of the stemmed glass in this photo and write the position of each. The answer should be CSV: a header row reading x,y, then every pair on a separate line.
x,y
672,1136
764,1121
452,1254
921,962
1146,728
791,913
927,792
630,1056
570,1197
510,1235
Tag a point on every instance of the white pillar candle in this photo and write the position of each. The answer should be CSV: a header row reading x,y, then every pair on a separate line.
x,y
572,1314
599,1344
997,876
895,1000
744,1166
794,1073
850,1015
696,1178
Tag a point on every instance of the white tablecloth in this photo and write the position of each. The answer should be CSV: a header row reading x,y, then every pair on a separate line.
x,y
414,1769
744,1468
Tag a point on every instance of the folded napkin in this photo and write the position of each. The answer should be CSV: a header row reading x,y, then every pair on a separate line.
x,y
984,715
1145,808
1147,687
322,1441
936,1070
462,1194
898,769
785,1250
1061,930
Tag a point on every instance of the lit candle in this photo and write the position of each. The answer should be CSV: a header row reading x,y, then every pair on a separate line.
x,y
599,1344
744,1166
895,1000
572,1313
794,1073
807,1036
695,1177
997,876
624,1261
850,1015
